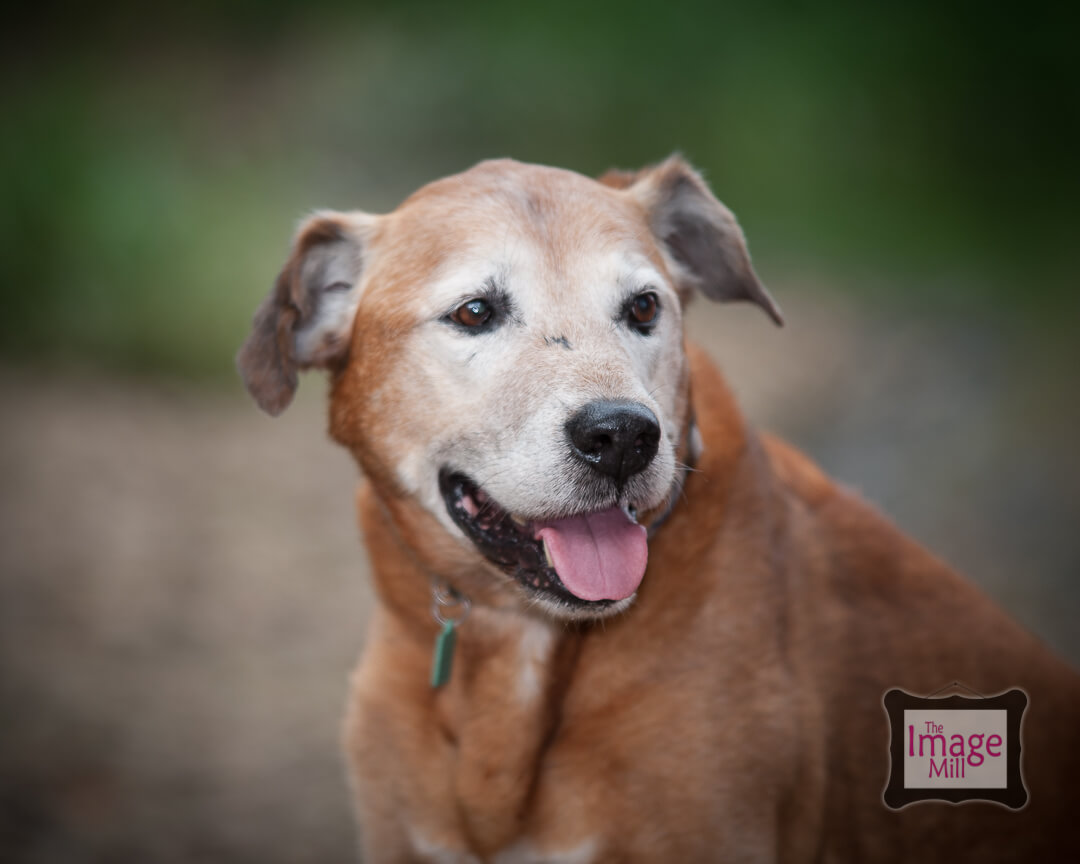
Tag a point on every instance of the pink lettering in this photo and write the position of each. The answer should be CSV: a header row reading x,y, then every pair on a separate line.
x,y
975,754
933,744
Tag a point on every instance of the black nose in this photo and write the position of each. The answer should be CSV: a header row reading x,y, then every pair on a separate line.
x,y
617,438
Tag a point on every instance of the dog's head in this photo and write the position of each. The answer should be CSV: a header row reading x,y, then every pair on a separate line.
x,y
506,350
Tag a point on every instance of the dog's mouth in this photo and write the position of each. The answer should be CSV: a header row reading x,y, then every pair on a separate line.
x,y
589,561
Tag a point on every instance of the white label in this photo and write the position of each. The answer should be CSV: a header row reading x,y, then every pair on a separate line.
x,y
955,749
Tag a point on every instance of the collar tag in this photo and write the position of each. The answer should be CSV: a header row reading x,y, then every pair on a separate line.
x,y
442,657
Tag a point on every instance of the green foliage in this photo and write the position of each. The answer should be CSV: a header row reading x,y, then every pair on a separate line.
x,y
153,167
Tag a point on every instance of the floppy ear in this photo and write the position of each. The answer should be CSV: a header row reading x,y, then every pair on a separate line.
x,y
306,319
699,236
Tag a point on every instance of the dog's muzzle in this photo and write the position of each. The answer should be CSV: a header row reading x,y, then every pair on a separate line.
x,y
592,557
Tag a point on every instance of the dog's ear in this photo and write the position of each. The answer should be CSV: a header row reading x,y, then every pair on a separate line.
x,y
306,319
698,235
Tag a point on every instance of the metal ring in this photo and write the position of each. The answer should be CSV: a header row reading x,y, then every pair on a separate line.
x,y
436,613
443,595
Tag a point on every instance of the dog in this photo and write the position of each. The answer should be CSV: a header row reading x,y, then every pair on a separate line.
x,y
674,635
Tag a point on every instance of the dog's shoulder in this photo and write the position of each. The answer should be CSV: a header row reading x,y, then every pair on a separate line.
x,y
796,471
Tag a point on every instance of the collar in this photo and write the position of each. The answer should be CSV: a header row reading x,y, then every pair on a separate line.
x,y
694,446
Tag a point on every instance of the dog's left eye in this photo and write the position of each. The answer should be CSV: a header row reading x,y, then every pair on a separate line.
x,y
472,314
642,311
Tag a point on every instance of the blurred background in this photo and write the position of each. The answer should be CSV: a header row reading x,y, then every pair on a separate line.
x,y
182,588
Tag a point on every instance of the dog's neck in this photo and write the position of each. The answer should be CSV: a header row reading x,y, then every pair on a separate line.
x,y
512,663
516,663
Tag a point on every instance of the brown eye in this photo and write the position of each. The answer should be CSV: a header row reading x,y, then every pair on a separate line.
x,y
643,309
475,313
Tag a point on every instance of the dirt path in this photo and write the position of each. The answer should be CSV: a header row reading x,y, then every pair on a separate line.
x,y
182,590
183,596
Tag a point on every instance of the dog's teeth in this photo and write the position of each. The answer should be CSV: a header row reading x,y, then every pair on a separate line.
x,y
517,520
547,555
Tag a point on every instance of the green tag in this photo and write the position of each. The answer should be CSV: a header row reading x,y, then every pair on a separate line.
x,y
442,659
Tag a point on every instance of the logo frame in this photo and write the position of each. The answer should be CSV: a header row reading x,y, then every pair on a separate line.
x,y
896,796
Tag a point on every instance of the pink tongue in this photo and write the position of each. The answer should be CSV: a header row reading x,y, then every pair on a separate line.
x,y
598,556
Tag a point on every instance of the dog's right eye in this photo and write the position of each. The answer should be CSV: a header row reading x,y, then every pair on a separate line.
x,y
472,314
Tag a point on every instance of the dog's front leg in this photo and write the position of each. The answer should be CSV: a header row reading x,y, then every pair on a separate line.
x,y
400,760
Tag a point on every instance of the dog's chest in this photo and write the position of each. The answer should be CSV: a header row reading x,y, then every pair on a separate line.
x,y
500,800
520,852
543,769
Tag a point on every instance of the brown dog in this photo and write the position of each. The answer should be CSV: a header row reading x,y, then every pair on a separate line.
x,y
653,663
